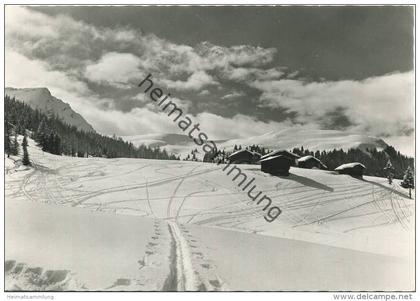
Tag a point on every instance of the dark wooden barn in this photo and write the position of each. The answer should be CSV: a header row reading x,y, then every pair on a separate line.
x,y
277,165
310,162
242,157
354,169
292,156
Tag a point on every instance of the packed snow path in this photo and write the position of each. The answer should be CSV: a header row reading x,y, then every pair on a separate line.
x,y
185,277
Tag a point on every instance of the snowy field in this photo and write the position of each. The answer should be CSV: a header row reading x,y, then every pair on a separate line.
x,y
135,224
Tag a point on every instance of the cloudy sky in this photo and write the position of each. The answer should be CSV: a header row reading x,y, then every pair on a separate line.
x,y
239,71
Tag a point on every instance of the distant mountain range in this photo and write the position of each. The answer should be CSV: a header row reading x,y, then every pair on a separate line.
x,y
311,139
173,143
289,138
42,100
283,139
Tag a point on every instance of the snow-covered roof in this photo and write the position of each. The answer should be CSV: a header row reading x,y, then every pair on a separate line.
x,y
306,158
241,151
281,152
350,165
274,158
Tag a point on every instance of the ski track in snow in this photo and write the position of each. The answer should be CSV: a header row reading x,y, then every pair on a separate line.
x,y
185,277
185,273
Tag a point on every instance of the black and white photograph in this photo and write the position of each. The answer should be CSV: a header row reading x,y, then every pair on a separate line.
x,y
209,148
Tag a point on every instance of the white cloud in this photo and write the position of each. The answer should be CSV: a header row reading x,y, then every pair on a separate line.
x,y
142,98
148,119
204,92
112,55
293,74
14,26
116,69
234,94
242,74
36,74
136,122
196,81
241,55
404,144
61,41
382,105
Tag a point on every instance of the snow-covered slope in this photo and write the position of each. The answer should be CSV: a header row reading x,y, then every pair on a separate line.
x,y
41,99
192,227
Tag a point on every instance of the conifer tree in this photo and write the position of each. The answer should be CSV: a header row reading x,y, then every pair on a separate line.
x,y
389,168
14,150
41,135
7,142
57,145
408,181
25,160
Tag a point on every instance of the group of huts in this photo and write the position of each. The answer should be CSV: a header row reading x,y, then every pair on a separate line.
x,y
279,162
